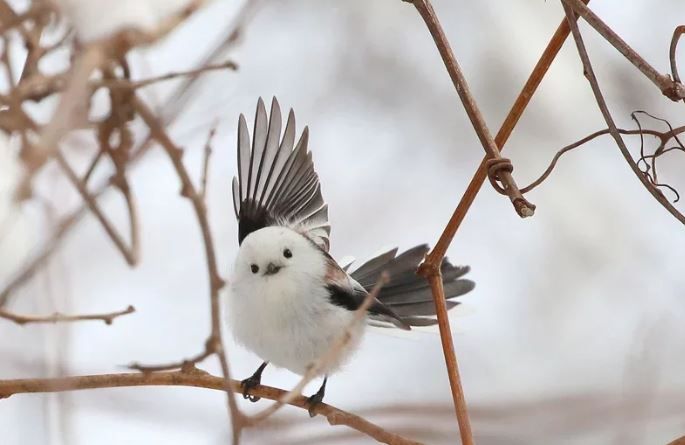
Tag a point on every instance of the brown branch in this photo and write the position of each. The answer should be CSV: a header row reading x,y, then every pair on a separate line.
x,y
188,190
500,168
174,365
677,33
61,318
430,268
193,377
72,106
672,89
434,258
601,103
173,106
137,84
205,162
130,253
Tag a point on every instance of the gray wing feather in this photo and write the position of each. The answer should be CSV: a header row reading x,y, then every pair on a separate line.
x,y
277,183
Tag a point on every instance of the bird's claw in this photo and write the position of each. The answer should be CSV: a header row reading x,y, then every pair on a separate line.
x,y
313,402
249,384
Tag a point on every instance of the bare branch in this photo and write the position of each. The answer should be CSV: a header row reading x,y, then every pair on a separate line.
x,y
137,84
663,136
500,168
677,34
129,253
674,90
592,79
173,106
62,318
205,162
193,377
216,283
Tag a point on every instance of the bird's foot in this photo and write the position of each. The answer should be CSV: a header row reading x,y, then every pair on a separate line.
x,y
249,384
313,402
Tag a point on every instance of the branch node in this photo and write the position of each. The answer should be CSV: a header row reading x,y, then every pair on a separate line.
x,y
495,166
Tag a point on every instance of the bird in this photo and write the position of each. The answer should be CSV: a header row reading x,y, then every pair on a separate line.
x,y
289,300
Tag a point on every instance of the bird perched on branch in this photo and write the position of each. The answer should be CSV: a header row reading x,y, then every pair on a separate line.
x,y
289,299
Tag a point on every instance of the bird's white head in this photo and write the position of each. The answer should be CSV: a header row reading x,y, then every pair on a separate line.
x,y
278,255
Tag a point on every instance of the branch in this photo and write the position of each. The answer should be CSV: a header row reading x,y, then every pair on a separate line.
x,y
137,84
130,253
434,258
430,268
192,377
205,162
173,106
677,33
500,169
214,342
592,79
663,136
61,318
674,90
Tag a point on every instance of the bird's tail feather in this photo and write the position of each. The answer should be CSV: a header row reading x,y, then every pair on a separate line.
x,y
406,293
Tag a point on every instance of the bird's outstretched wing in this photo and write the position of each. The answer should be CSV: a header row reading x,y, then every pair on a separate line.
x,y
407,294
276,182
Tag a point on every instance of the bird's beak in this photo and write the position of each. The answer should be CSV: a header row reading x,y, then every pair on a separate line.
x,y
272,269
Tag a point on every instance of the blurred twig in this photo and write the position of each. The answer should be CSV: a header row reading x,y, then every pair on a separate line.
x,y
60,318
177,100
193,377
205,163
214,343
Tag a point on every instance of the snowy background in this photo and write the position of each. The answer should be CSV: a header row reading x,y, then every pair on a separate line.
x,y
574,333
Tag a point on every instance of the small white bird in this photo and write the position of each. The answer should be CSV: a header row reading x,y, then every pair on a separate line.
x,y
289,299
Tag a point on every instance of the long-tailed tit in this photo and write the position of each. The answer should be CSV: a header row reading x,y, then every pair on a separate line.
x,y
289,299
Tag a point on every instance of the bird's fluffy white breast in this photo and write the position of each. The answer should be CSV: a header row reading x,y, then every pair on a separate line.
x,y
288,319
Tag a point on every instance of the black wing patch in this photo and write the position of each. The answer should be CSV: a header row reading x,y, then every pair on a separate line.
x,y
276,182
407,294
352,299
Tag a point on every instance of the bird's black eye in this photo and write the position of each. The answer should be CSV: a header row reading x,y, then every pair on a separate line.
x,y
287,253
254,268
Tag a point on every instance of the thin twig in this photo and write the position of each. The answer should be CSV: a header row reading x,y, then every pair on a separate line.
x,y
129,253
61,318
72,106
677,34
137,84
601,103
672,89
500,168
175,365
172,108
216,283
588,138
193,377
205,162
